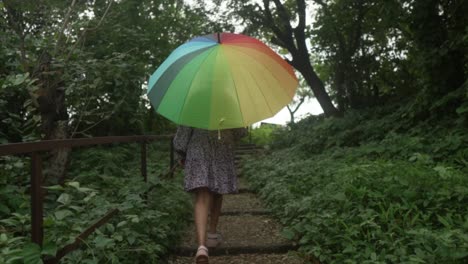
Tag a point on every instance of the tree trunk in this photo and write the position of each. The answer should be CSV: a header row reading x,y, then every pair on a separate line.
x,y
59,159
50,100
292,121
317,86
294,40
291,114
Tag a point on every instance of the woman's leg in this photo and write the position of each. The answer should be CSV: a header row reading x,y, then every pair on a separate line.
x,y
215,212
203,199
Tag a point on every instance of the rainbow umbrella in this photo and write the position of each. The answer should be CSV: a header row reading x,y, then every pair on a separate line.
x,y
221,81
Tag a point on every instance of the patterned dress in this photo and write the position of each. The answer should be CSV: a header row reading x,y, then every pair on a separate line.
x,y
209,158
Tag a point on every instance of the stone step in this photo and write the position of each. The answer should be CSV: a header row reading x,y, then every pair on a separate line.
x,y
242,190
250,235
247,151
246,155
240,250
247,212
242,202
244,259
242,146
237,159
242,184
242,235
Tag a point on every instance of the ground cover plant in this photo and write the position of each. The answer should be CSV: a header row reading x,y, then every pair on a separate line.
x,y
100,179
380,177
261,136
371,187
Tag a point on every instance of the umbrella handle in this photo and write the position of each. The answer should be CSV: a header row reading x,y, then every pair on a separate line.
x,y
219,130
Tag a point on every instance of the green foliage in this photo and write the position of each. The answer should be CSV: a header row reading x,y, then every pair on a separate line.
x,y
373,187
102,54
262,135
367,52
403,124
102,179
14,176
18,122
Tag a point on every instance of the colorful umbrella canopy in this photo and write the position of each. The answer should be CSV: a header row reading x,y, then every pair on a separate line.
x,y
221,81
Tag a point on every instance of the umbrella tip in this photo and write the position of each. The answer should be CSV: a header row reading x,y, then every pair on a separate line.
x,y
219,38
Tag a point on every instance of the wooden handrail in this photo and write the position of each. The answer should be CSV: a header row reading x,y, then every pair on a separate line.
x,y
80,238
34,148
46,145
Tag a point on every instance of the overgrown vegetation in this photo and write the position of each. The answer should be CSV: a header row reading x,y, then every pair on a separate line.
x,y
377,186
101,179
383,184
262,135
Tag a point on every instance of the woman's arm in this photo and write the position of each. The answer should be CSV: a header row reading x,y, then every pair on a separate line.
x,y
182,140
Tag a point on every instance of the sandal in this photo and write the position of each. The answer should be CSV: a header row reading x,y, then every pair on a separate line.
x,y
202,255
213,240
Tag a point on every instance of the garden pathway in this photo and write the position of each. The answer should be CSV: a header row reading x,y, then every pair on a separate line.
x,y
250,234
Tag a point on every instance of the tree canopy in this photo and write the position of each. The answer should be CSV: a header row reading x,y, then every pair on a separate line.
x,y
77,68
387,159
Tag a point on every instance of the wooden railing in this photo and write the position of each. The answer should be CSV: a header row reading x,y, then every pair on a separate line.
x,y
37,199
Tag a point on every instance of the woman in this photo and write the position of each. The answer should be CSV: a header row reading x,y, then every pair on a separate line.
x,y
208,158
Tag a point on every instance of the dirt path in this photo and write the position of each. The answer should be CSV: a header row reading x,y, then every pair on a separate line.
x,y
250,234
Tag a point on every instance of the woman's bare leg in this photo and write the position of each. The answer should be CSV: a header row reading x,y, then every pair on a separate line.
x,y
203,199
215,211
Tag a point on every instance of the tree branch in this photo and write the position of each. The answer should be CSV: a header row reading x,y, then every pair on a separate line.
x,y
269,20
82,36
65,25
81,114
340,38
16,23
301,101
299,31
356,39
320,2
282,37
103,16
301,8
104,118
283,14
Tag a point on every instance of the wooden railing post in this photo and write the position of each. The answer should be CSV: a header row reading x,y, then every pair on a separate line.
x,y
37,231
143,161
37,195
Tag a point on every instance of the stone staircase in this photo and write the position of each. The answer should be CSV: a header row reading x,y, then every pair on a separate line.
x,y
250,234
246,150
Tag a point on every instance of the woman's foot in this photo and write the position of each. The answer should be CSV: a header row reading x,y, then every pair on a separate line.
x,y
202,255
213,240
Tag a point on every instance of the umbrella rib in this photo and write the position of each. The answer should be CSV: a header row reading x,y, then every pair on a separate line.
x,y
264,98
274,76
237,95
191,82
165,82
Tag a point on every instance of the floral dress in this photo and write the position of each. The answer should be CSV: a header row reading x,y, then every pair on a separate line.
x,y
209,158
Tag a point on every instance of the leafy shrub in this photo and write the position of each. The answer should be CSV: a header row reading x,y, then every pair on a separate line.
x,y
261,136
374,211
372,187
102,179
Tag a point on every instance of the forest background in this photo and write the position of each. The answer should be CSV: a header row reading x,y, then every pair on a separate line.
x,y
390,77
